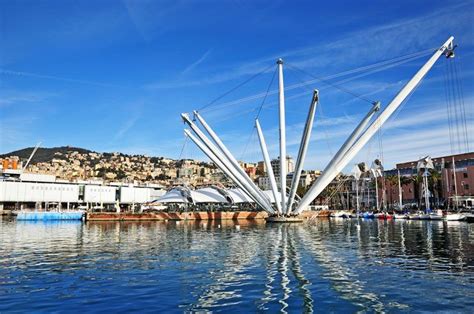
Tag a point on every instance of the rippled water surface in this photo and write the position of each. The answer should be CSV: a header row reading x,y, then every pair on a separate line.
x,y
325,265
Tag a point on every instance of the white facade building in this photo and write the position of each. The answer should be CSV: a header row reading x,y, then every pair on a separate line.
x,y
28,192
100,194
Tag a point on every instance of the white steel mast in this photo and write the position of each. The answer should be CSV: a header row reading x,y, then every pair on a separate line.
x,y
331,173
233,176
268,165
302,151
233,162
250,189
281,94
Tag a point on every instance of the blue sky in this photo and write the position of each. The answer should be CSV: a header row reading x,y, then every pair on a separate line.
x,y
115,75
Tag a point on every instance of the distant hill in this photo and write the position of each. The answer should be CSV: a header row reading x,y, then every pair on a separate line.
x,y
43,154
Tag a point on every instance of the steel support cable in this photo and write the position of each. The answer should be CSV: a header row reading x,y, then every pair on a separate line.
x,y
183,147
266,94
336,190
405,101
250,139
463,105
372,69
318,108
456,108
448,107
386,64
259,111
343,89
453,109
326,133
235,88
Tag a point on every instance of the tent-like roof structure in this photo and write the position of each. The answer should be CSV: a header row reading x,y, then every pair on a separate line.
x,y
238,196
175,195
209,195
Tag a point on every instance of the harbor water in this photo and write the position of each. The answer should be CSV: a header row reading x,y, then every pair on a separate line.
x,y
316,266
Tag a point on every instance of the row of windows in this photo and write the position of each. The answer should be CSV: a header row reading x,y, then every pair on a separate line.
x,y
52,188
100,190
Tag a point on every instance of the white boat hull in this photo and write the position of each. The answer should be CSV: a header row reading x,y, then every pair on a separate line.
x,y
400,216
455,217
436,217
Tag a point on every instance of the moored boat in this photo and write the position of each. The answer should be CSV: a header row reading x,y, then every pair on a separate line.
x,y
469,217
419,216
341,214
438,215
400,216
454,217
368,215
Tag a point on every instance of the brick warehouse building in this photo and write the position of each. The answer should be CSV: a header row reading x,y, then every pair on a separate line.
x,y
444,189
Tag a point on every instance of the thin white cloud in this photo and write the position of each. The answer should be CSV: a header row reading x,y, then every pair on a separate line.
x,y
369,44
193,65
129,123
6,72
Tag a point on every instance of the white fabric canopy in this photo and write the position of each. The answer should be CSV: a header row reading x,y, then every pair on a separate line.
x,y
238,196
172,196
212,195
269,194
208,195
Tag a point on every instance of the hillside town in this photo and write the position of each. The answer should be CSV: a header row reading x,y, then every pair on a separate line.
x,y
118,169
75,165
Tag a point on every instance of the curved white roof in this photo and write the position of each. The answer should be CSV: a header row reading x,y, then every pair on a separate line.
x,y
208,195
269,194
172,196
212,195
238,196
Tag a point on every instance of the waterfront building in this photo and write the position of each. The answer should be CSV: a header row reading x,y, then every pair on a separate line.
x,y
36,191
445,182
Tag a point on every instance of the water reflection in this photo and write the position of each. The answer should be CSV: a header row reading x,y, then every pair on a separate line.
x,y
323,265
283,265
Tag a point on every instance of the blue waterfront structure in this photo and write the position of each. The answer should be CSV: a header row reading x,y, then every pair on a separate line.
x,y
53,215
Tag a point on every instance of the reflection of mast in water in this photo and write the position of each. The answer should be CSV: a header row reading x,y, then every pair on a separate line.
x,y
272,261
283,267
303,283
343,279
453,228
226,280
279,263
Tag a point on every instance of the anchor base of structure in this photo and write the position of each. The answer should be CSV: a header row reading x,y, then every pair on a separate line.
x,y
284,219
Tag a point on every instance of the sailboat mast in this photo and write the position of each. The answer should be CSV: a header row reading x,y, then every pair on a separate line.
x,y
399,191
376,193
455,186
357,196
427,191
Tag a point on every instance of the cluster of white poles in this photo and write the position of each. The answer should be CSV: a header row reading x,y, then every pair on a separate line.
x,y
223,158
